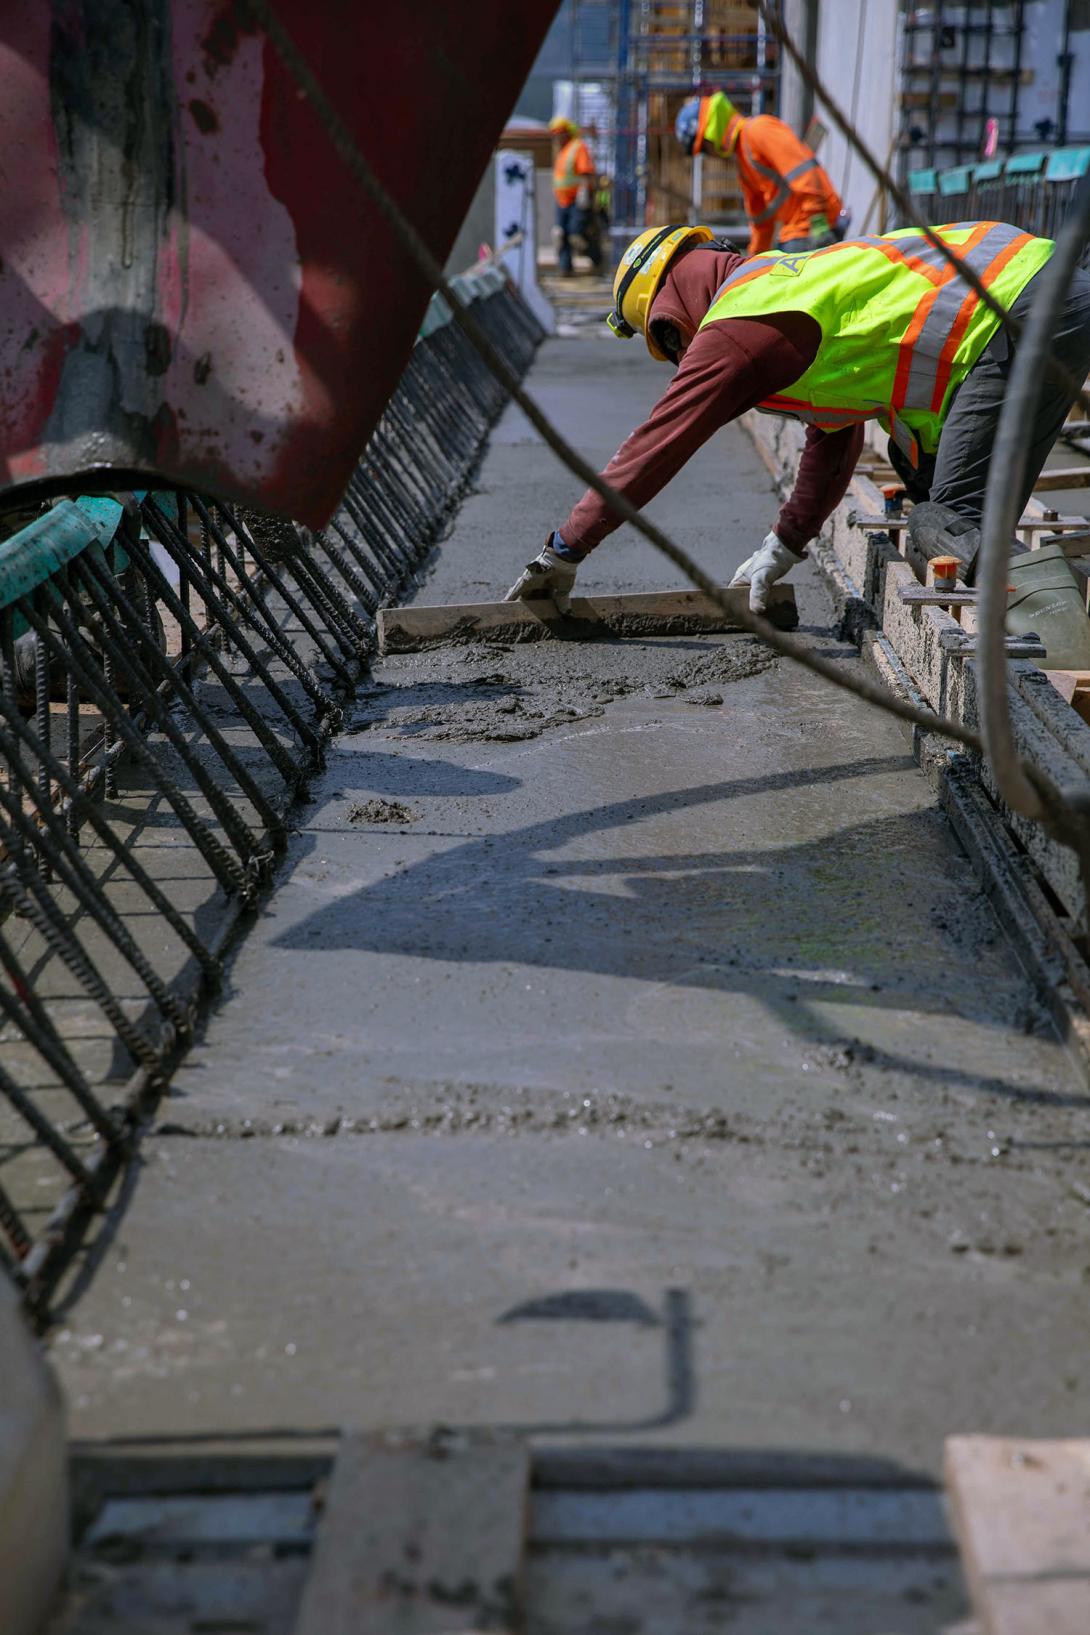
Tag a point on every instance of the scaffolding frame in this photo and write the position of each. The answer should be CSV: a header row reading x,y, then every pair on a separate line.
x,y
959,136
661,49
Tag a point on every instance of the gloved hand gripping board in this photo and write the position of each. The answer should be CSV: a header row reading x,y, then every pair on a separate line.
x,y
193,288
586,618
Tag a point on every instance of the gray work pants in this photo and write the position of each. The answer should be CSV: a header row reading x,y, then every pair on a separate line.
x,y
960,470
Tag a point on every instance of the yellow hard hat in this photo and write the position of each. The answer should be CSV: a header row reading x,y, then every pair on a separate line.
x,y
642,269
559,126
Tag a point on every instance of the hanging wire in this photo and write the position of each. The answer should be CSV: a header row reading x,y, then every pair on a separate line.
x,y
1002,504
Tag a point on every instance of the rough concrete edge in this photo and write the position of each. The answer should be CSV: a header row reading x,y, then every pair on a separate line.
x,y
33,1476
863,571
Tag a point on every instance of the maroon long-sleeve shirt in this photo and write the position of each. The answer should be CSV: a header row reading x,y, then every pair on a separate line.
x,y
725,369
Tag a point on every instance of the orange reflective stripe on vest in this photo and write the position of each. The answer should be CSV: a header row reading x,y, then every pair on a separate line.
x,y
935,319
899,329
942,317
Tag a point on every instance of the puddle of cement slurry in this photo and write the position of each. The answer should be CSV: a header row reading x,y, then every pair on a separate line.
x,y
685,1001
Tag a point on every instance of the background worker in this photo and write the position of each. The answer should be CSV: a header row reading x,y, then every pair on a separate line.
x,y
789,199
873,328
575,177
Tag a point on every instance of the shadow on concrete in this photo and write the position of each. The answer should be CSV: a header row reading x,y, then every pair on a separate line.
x,y
621,1307
383,774
830,921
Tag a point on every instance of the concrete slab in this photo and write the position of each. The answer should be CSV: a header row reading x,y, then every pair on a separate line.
x,y
721,1289
639,989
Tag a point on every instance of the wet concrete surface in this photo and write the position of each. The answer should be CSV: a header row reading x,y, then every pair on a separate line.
x,y
626,1051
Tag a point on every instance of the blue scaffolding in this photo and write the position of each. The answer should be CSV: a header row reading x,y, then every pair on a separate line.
x,y
631,57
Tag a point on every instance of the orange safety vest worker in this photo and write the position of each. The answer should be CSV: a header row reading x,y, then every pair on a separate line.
x,y
788,196
900,330
573,163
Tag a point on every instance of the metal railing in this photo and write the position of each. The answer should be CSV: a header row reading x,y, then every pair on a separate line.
x,y
170,667
1032,190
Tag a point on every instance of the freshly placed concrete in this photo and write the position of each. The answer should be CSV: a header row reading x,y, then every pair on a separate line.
x,y
869,577
626,1052
33,1476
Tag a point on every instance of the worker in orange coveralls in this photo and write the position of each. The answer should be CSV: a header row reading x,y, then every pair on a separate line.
x,y
790,201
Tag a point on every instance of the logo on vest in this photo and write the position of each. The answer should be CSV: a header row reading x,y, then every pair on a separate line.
x,y
792,264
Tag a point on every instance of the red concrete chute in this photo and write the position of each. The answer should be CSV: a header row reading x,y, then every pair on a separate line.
x,y
193,288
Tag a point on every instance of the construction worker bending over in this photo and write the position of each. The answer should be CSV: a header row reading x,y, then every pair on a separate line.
x,y
876,328
575,178
790,201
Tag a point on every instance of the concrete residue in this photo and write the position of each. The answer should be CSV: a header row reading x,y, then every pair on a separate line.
x,y
742,656
468,1109
552,685
381,811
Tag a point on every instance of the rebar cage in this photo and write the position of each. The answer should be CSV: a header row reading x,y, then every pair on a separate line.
x,y
170,668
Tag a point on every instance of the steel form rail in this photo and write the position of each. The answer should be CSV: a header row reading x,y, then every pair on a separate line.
x,y
129,626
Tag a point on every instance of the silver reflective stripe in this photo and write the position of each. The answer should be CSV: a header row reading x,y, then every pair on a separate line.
x,y
903,437
782,190
744,271
788,414
773,204
872,241
927,349
801,169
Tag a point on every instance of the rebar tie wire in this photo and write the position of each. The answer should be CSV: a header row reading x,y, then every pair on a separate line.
x,y
1055,814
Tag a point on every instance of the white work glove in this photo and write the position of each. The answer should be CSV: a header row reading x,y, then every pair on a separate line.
x,y
548,575
761,570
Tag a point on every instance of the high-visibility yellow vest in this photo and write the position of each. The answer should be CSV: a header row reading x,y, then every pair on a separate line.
x,y
900,330
572,166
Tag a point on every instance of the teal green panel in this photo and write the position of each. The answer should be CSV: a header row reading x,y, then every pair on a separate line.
x,y
921,181
1067,164
955,181
484,280
1025,164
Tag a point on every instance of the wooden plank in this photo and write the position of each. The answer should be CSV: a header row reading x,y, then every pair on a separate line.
x,y
1022,1517
420,1538
1063,477
646,613
1073,687
1069,682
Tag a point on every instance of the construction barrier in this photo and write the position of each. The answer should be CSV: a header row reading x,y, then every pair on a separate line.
x,y
1032,190
170,668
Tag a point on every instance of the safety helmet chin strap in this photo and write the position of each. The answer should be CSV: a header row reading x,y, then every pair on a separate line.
x,y
617,321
